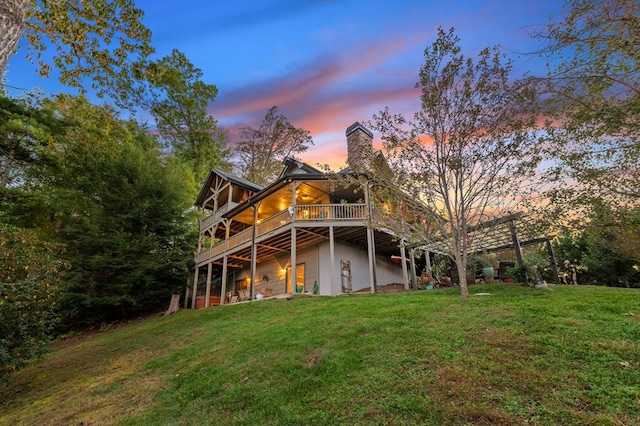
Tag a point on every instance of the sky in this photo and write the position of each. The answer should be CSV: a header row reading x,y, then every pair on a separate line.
x,y
324,63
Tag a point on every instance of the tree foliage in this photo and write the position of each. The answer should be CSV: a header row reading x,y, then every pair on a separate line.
x,y
24,129
593,102
604,250
261,150
92,38
118,205
30,275
469,150
172,90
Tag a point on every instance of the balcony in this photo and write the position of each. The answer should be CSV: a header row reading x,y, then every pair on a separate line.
x,y
213,217
303,214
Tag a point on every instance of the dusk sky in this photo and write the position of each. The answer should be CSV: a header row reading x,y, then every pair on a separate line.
x,y
324,63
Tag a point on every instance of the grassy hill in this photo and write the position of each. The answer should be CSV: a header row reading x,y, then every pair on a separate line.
x,y
565,355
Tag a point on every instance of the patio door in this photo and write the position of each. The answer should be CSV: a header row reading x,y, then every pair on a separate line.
x,y
299,280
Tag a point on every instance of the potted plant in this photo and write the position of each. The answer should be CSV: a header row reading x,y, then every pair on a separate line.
x,y
520,274
425,281
479,267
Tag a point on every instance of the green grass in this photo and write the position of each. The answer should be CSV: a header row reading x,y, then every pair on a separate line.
x,y
566,355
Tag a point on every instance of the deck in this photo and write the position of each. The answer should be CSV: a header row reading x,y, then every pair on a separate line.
x,y
302,216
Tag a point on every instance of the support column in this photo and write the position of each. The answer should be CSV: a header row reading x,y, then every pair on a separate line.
x,y
223,285
552,259
412,264
403,259
225,262
293,257
516,243
207,293
427,259
195,288
294,272
372,260
371,250
332,260
254,254
186,294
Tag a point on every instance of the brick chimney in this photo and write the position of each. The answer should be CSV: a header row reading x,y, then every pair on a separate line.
x,y
359,147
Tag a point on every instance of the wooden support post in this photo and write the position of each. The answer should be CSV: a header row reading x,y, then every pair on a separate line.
x,y
207,293
195,288
223,285
293,257
332,260
254,254
294,272
375,265
372,260
552,259
403,259
225,261
427,258
412,264
516,243
371,245
186,293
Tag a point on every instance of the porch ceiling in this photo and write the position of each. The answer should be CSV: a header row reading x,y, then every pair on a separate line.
x,y
356,236
307,192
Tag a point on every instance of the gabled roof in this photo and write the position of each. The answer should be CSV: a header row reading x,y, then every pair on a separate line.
x,y
292,168
213,173
296,167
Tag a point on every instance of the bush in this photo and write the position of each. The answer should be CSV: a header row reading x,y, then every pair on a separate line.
x,y
29,279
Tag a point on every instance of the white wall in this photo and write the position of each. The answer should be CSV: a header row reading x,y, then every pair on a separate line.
x,y
317,264
386,272
275,270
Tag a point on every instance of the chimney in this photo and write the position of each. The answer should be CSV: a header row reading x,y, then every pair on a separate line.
x,y
359,147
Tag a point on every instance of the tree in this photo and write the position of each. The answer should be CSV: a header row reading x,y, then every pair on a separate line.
x,y
604,250
24,127
120,206
470,149
84,34
30,274
171,89
593,103
260,151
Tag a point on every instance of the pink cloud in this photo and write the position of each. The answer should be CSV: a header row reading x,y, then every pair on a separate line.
x,y
328,94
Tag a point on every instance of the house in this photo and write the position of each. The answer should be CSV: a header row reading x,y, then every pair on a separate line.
x,y
306,232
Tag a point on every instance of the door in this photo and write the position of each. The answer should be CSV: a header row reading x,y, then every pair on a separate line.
x,y
299,279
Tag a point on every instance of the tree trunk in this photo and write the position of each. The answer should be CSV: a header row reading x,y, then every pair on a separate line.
x,y
12,19
5,174
462,276
174,305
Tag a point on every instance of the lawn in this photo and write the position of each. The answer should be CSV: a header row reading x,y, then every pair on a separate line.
x,y
518,355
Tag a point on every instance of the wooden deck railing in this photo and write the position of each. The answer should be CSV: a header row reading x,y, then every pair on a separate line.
x,y
338,212
303,213
210,220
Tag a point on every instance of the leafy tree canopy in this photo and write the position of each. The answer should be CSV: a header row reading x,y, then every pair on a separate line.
x,y
172,90
121,210
261,150
470,149
593,101
92,38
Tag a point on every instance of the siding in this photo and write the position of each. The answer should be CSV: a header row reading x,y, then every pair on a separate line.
x,y
386,271
272,273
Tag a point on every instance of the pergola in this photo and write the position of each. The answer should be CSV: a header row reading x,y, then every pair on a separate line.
x,y
498,234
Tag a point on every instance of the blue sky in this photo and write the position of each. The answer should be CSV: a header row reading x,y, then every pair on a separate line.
x,y
324,63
